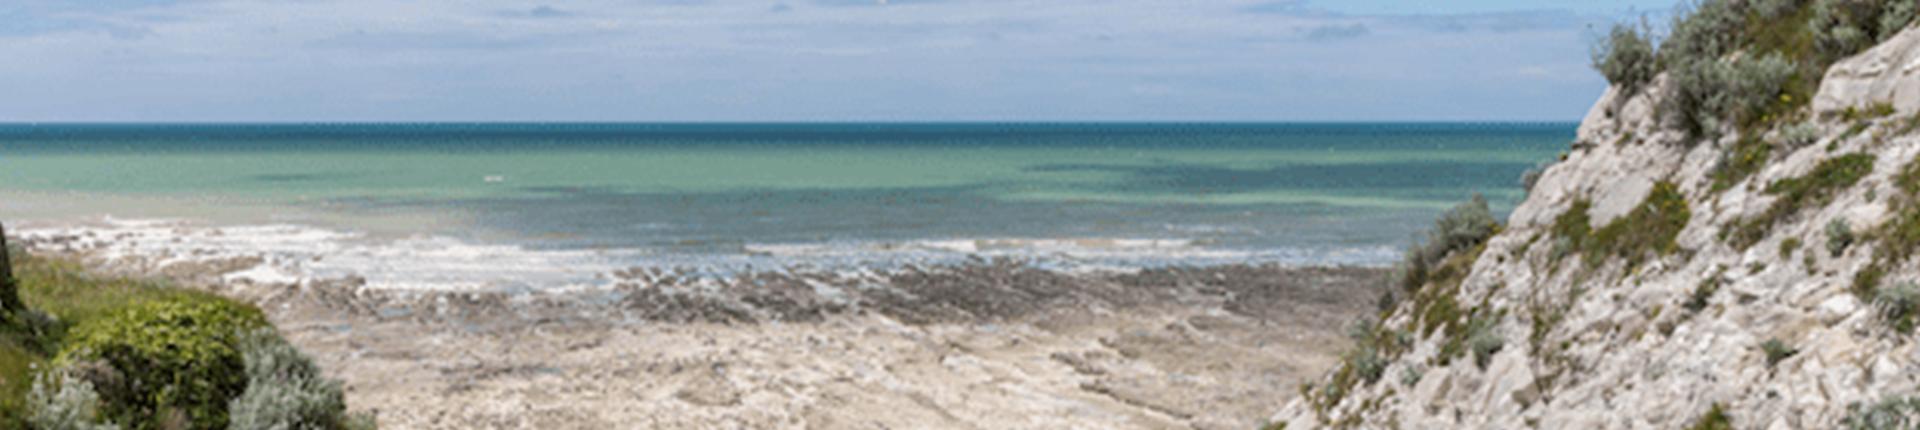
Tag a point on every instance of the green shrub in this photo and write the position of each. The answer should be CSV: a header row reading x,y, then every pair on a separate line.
x,y
1463,227
1892,413
1716,418
1898,304
1839,237
284,389
1838,27
1702,294
1476,337
1788,246
1710,94
1812,189
1845,27
174,360
1703,31
1626,57
1649,230
1896,16
1777,351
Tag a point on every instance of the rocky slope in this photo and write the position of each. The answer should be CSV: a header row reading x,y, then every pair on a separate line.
x,y
1780,297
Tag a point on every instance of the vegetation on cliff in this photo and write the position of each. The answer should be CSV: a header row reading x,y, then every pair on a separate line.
x,y
82,351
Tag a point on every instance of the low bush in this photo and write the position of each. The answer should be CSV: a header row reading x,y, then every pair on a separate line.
x,y
1484,341
1716,418
1777,351
112,352
1463,227
1702,31
1626,57
1711,94
1844,27
1898,305
285,389
1892,413
1703,292
1839,237
1799,135
61,401
173,359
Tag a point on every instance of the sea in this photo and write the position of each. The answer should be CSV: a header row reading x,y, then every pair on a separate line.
x,y
540,205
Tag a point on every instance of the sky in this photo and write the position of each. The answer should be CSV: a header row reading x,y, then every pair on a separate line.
x,y
802,60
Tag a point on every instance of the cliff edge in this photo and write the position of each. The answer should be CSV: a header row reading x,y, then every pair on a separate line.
x,y
1757,274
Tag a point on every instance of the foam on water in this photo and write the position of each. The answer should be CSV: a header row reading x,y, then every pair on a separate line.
x,y
291,253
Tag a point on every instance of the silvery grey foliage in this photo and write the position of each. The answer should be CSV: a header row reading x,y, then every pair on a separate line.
x,y
1799,135
1894,413
285,390
60,401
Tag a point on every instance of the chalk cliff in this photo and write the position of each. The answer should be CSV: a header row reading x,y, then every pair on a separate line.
x,y
1649,280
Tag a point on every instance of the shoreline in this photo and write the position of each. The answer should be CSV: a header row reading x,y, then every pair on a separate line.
x,y
991,343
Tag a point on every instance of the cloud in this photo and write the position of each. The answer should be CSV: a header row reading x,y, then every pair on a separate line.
x,y
1278,7
544,11
664,60
1336,32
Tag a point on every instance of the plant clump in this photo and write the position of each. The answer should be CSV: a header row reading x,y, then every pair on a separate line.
x,y
1839,237
285,389
1892,413
1651,229
1776,351
1898,305
165,361
1626,57
1815,188
1462,227
1716,418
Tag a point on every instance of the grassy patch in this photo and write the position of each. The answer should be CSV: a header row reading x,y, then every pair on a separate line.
x,y
1649,230
1746,157
1716,418
1815,188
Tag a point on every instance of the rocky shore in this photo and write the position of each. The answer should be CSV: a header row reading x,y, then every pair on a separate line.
x,y
987,344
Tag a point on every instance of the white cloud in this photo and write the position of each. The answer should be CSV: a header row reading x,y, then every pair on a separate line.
x,y
793,60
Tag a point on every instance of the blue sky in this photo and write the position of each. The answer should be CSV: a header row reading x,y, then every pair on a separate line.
x,y
801,60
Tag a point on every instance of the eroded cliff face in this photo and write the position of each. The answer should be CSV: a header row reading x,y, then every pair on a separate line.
x,y
1783,299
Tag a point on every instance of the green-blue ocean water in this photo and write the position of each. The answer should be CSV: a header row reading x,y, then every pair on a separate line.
x,y
1300,193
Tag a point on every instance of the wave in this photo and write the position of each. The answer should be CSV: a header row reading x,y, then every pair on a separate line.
x,y
290,253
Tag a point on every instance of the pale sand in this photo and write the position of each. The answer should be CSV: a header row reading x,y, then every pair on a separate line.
x,y
993,345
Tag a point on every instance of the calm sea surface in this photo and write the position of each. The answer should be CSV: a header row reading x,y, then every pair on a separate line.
x,y
806,193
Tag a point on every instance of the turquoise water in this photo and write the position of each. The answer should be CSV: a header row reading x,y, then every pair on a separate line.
x,y
1296,192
